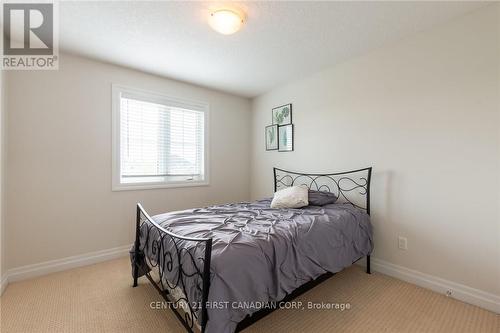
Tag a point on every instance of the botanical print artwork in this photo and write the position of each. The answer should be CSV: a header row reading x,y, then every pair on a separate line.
x,y
285,135
282,115
279,135
272,137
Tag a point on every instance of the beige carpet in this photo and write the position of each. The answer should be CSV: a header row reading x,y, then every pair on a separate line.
x,y
99,298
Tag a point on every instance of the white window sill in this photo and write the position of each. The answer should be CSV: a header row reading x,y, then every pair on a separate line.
x,y
150,186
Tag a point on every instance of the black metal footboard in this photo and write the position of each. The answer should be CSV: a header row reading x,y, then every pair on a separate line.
x,y
178,267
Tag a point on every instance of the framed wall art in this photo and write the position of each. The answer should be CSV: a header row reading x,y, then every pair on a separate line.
x,y
285,138
272,137
282,115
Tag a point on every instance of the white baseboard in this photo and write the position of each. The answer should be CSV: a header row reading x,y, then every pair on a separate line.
x,y
458,291
4,281
52,266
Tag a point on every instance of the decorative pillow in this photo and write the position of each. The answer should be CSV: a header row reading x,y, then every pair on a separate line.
x,y
319,198
290,197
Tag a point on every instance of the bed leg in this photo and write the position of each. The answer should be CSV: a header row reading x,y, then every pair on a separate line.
x,y
368,268
135,277
137,245
206,284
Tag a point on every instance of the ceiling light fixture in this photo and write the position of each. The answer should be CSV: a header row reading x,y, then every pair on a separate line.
x,y
225,21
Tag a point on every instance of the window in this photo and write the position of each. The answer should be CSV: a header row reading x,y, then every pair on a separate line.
x,y
158,141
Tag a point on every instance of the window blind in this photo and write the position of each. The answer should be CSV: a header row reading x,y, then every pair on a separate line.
x,y
160,142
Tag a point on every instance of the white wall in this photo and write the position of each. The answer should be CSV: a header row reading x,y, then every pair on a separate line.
x,y
425,114
498,153
59,201
2,223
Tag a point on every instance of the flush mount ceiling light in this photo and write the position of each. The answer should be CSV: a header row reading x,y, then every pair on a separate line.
x,y
225,21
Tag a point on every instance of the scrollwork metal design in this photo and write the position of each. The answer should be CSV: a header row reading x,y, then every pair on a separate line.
x,y
180,263
350,186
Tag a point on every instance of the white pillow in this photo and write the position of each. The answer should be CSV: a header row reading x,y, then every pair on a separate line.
x,y
291,197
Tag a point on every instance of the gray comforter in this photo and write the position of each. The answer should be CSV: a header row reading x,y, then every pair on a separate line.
x,y
261,254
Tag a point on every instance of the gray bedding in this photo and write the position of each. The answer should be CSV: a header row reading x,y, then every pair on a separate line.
x,y
260,254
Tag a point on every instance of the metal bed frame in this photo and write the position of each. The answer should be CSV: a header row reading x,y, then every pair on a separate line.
x,y
180,260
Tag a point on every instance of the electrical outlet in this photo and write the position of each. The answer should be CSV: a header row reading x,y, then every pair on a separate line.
x,y
402,243
449,292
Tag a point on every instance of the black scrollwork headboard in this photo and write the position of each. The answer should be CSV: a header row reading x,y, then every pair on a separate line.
x,y
350,186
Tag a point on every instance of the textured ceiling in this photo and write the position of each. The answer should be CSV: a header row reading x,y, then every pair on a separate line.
x,y
279,42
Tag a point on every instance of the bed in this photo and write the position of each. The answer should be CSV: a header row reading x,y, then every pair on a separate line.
x,y
223,267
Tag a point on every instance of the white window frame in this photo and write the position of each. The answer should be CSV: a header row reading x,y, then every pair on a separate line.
x,y
161,98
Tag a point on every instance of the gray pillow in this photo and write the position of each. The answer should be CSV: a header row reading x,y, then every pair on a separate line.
x,y
319,198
